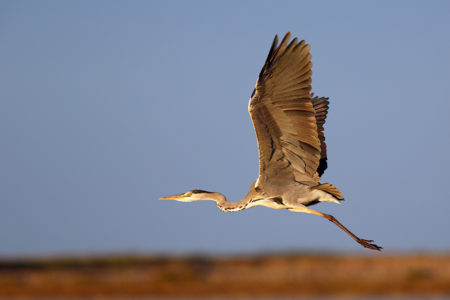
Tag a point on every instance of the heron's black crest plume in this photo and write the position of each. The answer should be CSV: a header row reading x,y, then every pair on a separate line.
x,y
200,192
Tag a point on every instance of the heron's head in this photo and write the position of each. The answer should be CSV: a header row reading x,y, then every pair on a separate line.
x,y
189,196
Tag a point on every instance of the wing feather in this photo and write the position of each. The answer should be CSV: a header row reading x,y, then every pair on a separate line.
x,y
321,107
283,114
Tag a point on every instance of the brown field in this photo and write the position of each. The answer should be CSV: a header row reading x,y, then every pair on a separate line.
x,y
236,276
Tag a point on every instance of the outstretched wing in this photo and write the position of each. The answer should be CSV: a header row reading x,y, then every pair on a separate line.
x,y
284,116
321,107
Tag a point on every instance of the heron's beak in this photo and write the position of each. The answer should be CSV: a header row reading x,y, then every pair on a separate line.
x,y
173,197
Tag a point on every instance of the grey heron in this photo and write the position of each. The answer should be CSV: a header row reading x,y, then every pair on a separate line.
x,y
289,123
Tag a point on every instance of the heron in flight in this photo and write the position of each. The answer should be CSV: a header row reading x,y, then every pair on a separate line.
x,y
288,120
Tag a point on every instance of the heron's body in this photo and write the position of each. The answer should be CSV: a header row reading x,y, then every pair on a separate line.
x,y
288,123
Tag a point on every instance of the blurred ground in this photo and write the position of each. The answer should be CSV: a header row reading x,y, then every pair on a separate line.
x,y
233,276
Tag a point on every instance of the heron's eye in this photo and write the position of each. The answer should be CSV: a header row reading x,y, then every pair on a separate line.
x,y
187,194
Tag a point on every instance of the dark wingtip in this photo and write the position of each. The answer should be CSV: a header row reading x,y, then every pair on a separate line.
x,y
274,49
323,165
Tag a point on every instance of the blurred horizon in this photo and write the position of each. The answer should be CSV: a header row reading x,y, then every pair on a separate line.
x,y
200,277
105,106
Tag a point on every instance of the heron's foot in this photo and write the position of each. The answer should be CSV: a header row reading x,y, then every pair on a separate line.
x,y
369,244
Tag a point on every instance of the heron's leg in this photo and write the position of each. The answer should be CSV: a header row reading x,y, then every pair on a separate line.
x,y
364,243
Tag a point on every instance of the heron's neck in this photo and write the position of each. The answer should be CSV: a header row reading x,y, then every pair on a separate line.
x,y
226,205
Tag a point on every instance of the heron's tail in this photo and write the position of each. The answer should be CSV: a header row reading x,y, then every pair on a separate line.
x,y
330,189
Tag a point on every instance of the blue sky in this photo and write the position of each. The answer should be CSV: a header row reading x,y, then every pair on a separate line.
x,y
107,105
